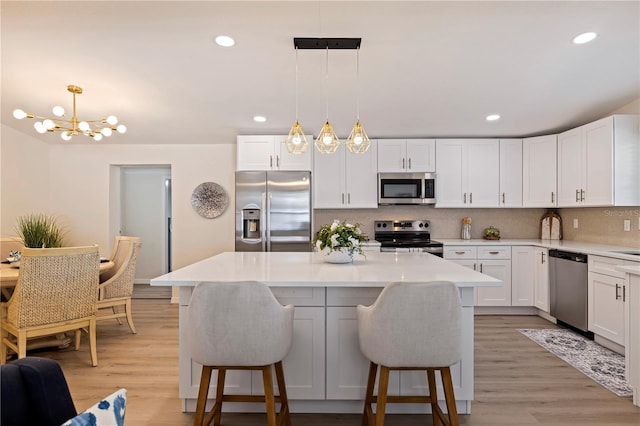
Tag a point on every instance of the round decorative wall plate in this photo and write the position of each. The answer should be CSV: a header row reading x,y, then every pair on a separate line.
x,y
209,200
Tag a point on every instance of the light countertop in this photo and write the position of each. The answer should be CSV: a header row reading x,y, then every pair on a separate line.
x,y
302,269
573,246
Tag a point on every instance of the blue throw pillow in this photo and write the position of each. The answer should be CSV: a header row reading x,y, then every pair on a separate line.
x,y
108,412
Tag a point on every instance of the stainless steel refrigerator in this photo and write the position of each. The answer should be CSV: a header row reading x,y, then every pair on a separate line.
x,y
273,211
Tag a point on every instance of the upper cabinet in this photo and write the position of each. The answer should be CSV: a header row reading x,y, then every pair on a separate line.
x,y
406,155
598,163
539,171
268,152
467,173
345,180
510,172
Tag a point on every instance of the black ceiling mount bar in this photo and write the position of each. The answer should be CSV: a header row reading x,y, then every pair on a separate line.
x,y
326,43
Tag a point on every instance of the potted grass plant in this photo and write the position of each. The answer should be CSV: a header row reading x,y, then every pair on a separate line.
x,y
39,231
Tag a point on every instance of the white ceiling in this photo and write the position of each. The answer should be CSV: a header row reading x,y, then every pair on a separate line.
x,y
426,68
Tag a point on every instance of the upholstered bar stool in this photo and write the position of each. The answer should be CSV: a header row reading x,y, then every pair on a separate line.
x,y
239,326
412,326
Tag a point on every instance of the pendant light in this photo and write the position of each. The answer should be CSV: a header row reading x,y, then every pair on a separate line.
x,y
358,141
296,141
327,142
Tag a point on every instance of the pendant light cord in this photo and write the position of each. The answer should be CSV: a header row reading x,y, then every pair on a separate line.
x,y
296,83
358,83
326,82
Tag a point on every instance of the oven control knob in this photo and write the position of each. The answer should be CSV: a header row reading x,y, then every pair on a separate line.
x,y
421,225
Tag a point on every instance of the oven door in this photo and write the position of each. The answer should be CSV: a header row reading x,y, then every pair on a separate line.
x,y
400,188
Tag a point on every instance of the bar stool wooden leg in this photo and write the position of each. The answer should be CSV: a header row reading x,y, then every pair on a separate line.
x,y
284,416
367,415
449,396
269,399
216,411
433,396
381,404
205,379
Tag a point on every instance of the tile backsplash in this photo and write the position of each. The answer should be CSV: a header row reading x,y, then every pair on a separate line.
x,y
595,224
604,225
445,223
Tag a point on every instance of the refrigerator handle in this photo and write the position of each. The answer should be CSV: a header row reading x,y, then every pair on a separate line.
x,y
263,216
268,214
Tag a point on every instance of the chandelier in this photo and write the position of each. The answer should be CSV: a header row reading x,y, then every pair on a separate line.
x,y
95,129
327,142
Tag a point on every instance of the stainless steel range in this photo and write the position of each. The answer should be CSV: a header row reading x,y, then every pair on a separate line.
x,y
406,236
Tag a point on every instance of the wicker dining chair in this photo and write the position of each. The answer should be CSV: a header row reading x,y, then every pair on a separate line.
x,y
116,286
55,293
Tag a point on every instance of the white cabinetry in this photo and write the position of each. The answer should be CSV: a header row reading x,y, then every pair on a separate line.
x,y
406,155
467,173
607,300
598,163
539,171
491,260
510,172
522,275
345,180
268,152
541,279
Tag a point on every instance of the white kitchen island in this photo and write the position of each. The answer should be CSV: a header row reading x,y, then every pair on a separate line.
x,y
325,371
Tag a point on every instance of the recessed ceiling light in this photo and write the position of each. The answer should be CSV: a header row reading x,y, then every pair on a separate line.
x,y
584,38
259,119
225,41
493,117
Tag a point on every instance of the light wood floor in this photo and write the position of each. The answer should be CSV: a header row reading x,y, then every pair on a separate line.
x,y
516,381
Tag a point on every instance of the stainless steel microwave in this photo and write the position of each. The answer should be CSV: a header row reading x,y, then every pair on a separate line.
x,y
406,188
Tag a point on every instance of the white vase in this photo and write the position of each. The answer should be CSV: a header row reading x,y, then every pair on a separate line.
x,y
338,256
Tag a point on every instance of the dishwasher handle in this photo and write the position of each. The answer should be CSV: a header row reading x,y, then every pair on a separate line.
x,y
567,255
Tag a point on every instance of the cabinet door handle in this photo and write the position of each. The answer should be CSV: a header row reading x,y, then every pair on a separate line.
x,y
582,195
277,161
553,198
409,163
474,267
465,198
349,198
624,293
494,252
481,267
403,160
459,252
271,161
471,198
542,257
503,198
617,291
577,195
343,198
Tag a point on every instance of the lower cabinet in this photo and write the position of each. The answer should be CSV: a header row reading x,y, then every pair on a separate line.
x,y
607,307
541,279
304,365
494,261
522,275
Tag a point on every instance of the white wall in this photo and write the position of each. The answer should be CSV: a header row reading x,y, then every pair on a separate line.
x,y
72,181
24,176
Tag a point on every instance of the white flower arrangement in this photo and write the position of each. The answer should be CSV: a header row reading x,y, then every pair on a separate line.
x,y
340,235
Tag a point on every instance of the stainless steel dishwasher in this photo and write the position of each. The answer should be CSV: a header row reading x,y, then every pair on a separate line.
x,y
568,288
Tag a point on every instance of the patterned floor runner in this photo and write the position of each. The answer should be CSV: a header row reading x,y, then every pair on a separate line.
x,y
597,362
